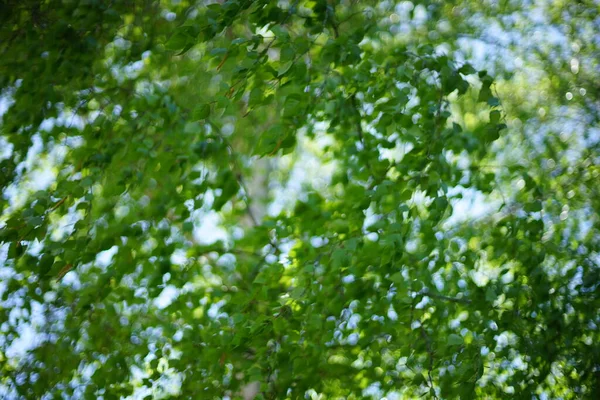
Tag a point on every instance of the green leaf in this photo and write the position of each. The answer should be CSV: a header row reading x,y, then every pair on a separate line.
x,y
455,340
490,294
285,67
494,116
192,128
467,69
270,141
180,39
218,51
397,278
533,206
494,102
202,111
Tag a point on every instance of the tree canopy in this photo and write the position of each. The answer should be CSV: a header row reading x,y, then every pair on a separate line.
x,y
299,199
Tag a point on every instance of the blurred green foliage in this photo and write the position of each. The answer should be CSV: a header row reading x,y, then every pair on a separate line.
x,y
299,199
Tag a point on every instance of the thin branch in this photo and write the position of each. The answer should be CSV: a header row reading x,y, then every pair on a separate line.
x,y
237,171
330,15
58,204
256,268
64,271
359,130
247,200
430,367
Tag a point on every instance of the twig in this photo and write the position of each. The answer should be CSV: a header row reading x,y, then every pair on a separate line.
x,y
430,368
223,61
360,130
54,207
63,271
330,15
237,171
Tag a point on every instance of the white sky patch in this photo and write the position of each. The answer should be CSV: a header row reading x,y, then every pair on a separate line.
x,y
392,314
473,205
309,169
352,339
373,391
179,257
34,173
104,258
370,218
5,102
6,148
35,247
209,231
166,297
353,321
213,311
66,224
422,303
42,178
169,384
396,153
28,338
72,279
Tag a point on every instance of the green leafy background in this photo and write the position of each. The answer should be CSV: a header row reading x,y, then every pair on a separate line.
x,y
299,199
